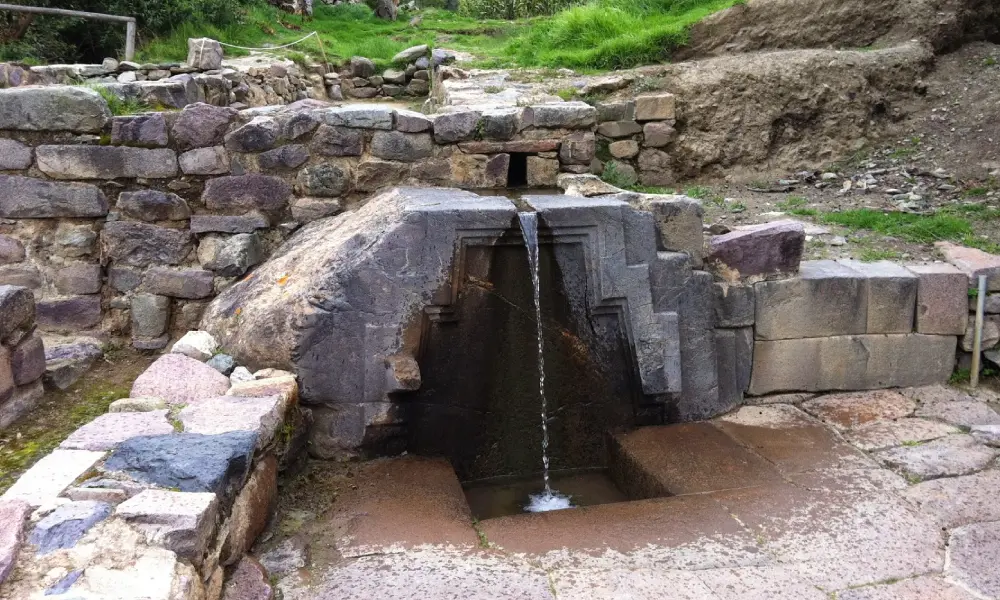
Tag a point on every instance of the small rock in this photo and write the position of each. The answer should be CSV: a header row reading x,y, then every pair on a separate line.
x,y
64,526
179,379
240,375
288,556
199,345
137,405
223,363
271,373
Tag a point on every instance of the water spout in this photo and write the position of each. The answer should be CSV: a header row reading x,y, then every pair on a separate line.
x,y
548,499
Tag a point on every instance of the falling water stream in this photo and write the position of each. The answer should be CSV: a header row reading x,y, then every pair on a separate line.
x,y
548,499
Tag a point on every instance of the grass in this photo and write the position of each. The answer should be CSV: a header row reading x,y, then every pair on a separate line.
x,y
911,227
121,107
618,177
594,35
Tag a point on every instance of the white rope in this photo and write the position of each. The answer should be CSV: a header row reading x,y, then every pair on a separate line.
x,y
272,47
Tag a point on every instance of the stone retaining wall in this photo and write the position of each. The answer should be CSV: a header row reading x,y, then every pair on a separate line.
x,y
129,224
162,497
22,355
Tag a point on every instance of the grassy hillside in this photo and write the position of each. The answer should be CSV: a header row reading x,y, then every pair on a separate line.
x,y
596,35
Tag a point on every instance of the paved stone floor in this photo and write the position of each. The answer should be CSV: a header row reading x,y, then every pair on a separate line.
x,y
890,495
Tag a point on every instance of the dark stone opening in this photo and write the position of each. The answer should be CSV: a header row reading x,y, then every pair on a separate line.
x,y
517,172
479,403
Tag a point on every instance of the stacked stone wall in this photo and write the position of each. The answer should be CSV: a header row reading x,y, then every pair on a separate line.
x,y
22,355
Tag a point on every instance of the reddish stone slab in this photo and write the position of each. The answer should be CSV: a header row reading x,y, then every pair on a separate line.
x,y
774,247
180,380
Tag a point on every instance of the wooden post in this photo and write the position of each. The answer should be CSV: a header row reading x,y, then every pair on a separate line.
x,y
79,14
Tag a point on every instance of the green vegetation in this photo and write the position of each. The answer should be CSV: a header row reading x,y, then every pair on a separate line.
x,y
120,107
42,436
618,177
37,38
907,226
796,205
876,254
583,35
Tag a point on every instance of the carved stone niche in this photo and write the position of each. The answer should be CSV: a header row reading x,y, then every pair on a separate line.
x,y
410,324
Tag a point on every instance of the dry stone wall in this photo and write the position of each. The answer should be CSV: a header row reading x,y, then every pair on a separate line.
x,y
22,355
131,223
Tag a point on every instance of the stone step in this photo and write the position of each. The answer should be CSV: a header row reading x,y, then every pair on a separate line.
x,y
688,458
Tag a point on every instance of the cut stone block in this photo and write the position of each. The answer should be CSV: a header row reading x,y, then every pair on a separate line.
x,y
13,514
17,309
826,299
963,413
105,162
852,411
892,295
180,380
689,458
764,249
199,345
262,416
987,434
47,478
655,107
945,457
179,521
889,434
137,405
63,527
942,294
27,360
856,362
735,305
973,263
286,386
189,462
108,430
251,511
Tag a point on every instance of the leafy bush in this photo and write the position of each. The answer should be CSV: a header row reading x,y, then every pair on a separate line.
x,y
62,39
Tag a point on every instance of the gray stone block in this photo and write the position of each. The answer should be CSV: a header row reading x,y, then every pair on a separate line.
x,y
942,299
892,295
284,158
827,298
500,123
405,147
140,244
180,522
27,360
561,115
338,141
105,162
204,54
260,134
360,116
11,250
153,205
73,313
655,107
305,210
232,256
56,108
22,275
29,198
67,524
852,362
735,305
79,278
700,397
246,223
326,180
150,315
374,174
213,160
188,462
23,401
124,279
200,125
236,193
456,126
223,363
409,121
619,129
578,149
179,283
678,223
145,131
14,155
17,309
6,376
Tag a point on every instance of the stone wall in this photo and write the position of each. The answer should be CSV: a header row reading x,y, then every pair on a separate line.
x,y
162,497
22,355
131,223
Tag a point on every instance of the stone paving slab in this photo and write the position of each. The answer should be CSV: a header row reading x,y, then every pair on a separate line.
x,y
790,439
13,514
180,380
224,414
688,458
854,410
889,434
55,472
759,583
964,413
427,574
634,584
973,556
918,588
401,503
179,521
949,456
110,429
959,501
